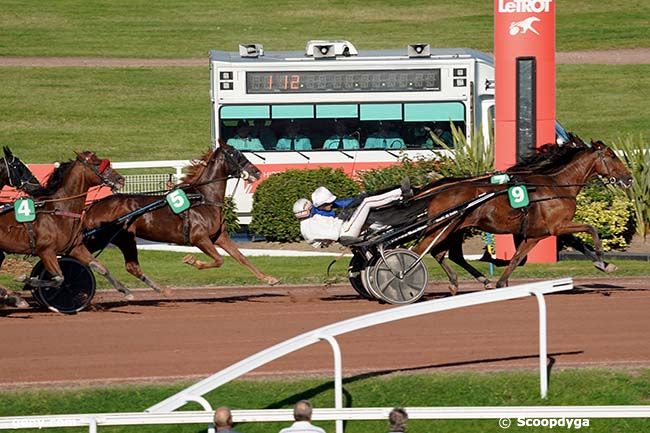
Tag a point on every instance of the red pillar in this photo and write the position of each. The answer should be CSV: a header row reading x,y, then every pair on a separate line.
x,y
523,29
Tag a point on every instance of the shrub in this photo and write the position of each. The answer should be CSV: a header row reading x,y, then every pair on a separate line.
x,y
420,172
466,158
230,219
609,212
273,200
637,157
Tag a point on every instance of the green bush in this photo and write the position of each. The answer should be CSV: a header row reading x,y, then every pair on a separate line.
x,y
637,158
273,200
609,212
230,219
466,158
420,172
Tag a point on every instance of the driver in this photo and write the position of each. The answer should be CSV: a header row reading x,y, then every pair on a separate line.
x,y
321,229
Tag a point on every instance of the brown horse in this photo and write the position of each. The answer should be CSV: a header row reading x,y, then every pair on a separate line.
x,y
202,225
57,228
554,178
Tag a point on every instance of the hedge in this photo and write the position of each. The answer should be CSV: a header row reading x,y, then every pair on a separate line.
x,y
272,215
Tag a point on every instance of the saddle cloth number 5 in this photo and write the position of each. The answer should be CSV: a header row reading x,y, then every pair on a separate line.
x,y
24,210
518,196
177,201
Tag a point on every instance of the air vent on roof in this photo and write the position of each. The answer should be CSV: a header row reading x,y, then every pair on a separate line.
x,y
251,50
419,50
321,49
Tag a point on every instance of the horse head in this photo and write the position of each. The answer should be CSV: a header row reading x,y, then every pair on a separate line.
x,y
238,164
18,175
609,166
101,168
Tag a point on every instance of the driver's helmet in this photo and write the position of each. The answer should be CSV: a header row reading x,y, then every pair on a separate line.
x,y
322,196
302,208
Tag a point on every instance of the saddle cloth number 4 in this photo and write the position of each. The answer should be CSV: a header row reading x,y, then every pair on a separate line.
x,y
24,210
177,201
518,196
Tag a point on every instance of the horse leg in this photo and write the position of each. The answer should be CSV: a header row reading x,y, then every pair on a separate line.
x,y
205,245
573,227
522,250
451,274
10,299
81,253
456,256
230,247
583,248
125,241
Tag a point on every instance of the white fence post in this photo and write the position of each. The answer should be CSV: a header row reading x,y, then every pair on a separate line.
x,y
543,351
338,378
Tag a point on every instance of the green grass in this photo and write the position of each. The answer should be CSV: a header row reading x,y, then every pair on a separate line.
x,y
568,387
167,268
180,28
163,113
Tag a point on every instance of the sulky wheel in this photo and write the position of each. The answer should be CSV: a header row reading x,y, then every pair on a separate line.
x,y
75,293
392,284
368,279
355,268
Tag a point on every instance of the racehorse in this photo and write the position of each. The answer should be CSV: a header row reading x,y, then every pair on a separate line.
x,y
554,177
202,225
15,174
57,228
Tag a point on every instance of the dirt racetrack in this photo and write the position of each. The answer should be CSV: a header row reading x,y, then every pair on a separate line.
x,y
603,322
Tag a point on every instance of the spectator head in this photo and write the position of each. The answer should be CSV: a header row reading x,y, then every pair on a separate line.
x,y
222,418
339,128
397,420
302,411
293,128
243,128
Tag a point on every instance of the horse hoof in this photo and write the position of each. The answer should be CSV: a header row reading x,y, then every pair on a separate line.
x,y
189,259
610,268
605,267
453,290
129,296
487,285
272,281
168,292
16,301
22,278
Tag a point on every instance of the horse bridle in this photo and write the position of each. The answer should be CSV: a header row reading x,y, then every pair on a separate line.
x,y
241,173
610,180
103,170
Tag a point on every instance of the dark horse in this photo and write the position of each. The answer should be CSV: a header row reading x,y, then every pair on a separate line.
x,y
202,225
554,178
57,229
16,174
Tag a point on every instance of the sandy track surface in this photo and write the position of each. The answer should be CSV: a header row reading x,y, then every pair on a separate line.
x,y
607,57
199,331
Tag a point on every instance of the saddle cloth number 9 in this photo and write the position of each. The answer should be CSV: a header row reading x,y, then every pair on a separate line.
x,y
24,210
177,201
518,196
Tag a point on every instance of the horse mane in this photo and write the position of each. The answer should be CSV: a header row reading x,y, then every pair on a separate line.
x,y
54,181
549,157
197,166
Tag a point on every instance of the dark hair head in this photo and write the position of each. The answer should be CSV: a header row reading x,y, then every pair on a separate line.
x,y
397,419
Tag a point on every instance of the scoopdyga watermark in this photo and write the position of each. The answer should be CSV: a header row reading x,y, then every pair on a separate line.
x,y
565,423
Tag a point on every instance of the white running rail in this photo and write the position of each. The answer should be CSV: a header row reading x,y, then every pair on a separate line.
x,y
94,420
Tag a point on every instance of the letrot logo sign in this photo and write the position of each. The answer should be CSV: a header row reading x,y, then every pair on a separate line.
x,y
523,26
530,6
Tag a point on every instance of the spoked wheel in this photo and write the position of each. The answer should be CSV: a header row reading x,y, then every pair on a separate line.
x,y
356,267
393,284
73,295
